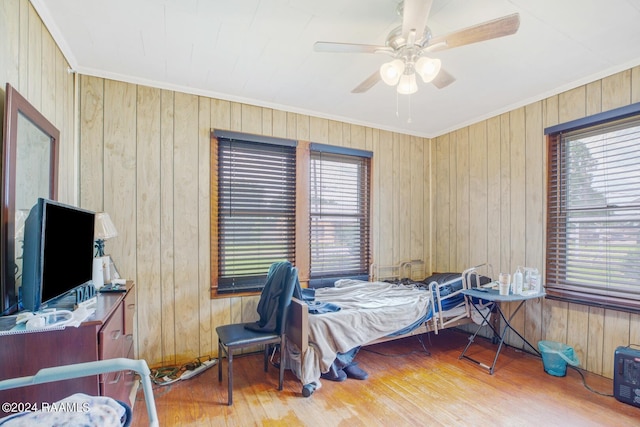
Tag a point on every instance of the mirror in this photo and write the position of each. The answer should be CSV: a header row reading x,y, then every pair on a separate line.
x,y
29,171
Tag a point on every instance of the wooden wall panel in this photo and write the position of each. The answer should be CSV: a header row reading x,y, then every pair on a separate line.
x,y
319,130
478,197
357,137
402,182
535,155
441,202
346,135
203,232
148,208
594,98
384,169
375,196
616,333
91,149
453,205
120,163
460,251
34,51
167,282
10,69
334,133
416,205
616,90
427,208
505,195
279,123
302,127
251,119
25,79
594,351
267,121
186,200
577,333
494,242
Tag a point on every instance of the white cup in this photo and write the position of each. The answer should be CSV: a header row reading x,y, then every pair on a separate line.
x,y
504,288
505,283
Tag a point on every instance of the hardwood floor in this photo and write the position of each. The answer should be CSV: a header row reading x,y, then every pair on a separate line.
x,y
406,387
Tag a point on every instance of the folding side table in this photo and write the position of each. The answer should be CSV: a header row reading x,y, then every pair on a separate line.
x,y
493,298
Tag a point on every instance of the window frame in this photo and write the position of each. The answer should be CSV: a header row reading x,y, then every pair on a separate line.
x,y
558,286
217,288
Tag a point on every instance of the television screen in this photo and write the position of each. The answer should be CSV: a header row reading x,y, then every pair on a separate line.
x,y
58,252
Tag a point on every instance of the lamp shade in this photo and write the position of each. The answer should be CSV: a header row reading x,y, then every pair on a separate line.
x,y
407,84
104,228
428,68
390,72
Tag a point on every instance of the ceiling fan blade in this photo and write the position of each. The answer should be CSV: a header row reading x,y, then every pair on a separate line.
x,y
414,16
349,48
443,79
500,27
368,83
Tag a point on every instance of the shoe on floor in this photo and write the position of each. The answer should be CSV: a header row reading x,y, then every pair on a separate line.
x,y
353,371
334,376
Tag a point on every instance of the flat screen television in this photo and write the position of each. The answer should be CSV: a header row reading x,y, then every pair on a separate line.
x,y
58,252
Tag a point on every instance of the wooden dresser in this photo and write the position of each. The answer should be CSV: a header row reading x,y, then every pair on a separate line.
x,y
107,334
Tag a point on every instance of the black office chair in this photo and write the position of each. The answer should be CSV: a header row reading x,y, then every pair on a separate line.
x,y
270,329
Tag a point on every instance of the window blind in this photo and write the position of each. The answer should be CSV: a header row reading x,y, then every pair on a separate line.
x,y
256,211
593,224
339,216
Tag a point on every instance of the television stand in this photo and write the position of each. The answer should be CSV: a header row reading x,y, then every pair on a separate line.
x,y
105,335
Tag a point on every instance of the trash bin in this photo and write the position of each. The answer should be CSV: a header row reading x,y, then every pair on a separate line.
x,y
555,357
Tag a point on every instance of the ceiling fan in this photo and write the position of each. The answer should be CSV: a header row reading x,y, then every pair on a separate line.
x,y
410,43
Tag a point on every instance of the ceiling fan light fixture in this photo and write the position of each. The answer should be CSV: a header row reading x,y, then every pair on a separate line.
x,y
428,68
407,84
390,72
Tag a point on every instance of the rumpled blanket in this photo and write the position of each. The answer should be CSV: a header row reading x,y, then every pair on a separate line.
x,y
368,311
76,410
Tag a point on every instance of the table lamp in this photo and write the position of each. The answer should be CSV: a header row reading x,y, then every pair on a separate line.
x,y
104,230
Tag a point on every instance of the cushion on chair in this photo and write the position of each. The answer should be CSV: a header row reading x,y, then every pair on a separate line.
x,y
237,335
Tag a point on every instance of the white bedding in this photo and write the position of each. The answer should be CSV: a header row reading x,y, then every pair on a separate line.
x,y
369,310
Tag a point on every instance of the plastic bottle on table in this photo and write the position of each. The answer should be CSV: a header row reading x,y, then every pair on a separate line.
x,y
535,281
518,281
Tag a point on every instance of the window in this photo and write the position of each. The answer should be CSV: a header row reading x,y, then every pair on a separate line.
x,y
339,214
593,213
256,201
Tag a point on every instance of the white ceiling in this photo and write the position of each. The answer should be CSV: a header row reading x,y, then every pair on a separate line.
x,y
261,52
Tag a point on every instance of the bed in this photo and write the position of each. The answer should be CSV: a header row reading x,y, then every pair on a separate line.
x,y
373,312
78,409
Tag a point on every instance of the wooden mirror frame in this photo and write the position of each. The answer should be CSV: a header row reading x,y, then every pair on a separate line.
x,y
15,106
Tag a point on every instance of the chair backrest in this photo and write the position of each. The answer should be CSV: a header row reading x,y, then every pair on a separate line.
x,y
275,298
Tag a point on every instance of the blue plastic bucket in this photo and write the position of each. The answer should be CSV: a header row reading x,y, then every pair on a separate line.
x,y
556,356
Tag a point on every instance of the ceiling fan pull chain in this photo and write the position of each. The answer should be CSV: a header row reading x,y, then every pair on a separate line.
x,y
409,108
